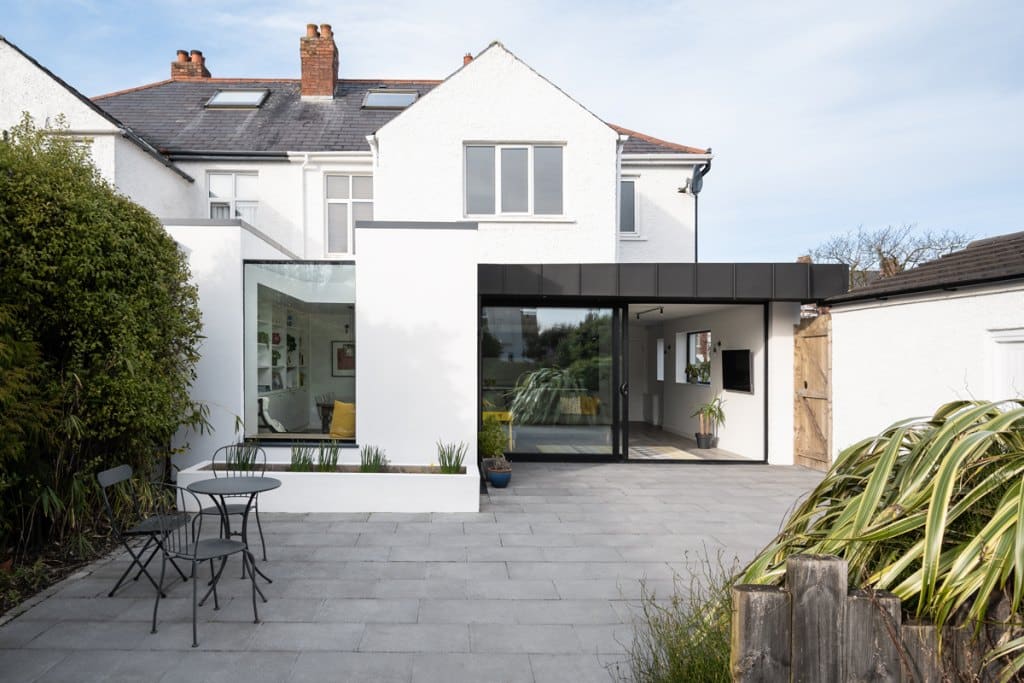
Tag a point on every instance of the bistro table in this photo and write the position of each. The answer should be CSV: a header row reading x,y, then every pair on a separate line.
x,y
219,488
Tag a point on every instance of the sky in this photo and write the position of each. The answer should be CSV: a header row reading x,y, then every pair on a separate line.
x,y
823,116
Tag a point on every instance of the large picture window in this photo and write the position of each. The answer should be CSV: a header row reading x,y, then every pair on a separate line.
x,y
300,350
514,179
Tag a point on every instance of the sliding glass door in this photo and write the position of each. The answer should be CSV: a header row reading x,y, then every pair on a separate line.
x,y
549,376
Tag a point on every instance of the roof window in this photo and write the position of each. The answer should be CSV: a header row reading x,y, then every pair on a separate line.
x,y
237,99
389,99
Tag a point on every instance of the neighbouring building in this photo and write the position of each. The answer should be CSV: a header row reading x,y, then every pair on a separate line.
x,y
950,329
433,251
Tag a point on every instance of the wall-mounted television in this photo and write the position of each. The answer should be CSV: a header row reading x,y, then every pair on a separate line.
x,y
737,372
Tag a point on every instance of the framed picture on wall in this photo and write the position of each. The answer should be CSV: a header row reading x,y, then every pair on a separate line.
x,y
343,359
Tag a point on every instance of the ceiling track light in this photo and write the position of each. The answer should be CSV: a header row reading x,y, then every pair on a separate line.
x,y
659,309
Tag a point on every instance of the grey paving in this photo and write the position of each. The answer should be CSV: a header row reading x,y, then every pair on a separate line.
x,y
541,585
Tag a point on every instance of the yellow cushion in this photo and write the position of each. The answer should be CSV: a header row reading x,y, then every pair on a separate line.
x,y
499,415
343,420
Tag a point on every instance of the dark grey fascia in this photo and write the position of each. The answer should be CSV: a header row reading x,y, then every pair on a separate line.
x,y
718,282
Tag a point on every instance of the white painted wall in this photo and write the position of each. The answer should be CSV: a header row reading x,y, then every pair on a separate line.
x,y
497,98
150,183
739,327
215,254
664,216
782,318
416,341
905,357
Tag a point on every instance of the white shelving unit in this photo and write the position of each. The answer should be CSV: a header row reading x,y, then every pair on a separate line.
x,y
282,352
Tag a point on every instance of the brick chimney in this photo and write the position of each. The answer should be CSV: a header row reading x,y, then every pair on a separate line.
x,y
467,58
187,66
319,62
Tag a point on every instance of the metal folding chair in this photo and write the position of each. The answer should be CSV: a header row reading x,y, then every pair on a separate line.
x,y
184,542
239,460
120,479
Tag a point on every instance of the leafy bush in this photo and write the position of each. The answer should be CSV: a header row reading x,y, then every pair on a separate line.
x,y
685,637
450,456
931,510
372,459
99,330
492,439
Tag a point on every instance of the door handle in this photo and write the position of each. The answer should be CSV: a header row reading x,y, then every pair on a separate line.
x,y
624,389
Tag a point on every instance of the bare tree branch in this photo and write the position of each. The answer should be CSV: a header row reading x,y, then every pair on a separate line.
x,y
874,254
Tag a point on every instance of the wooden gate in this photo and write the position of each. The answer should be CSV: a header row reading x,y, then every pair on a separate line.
x,y
812,365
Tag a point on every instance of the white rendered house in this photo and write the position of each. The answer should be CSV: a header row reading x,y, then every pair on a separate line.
x,y
420,248
950,329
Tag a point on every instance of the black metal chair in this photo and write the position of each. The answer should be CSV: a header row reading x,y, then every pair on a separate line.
x,y
118,480
185,542
239,460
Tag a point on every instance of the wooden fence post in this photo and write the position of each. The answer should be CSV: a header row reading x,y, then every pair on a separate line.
x,y
922,644
760,650
817,585
871,648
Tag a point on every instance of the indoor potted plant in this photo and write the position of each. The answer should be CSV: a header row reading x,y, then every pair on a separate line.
x,y
710,415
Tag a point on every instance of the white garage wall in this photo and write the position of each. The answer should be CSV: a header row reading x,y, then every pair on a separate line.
x,y
905,357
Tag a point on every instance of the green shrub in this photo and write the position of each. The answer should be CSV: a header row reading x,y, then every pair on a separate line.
x,y
684,636
372,459
492,439
99,334
450,456
929,510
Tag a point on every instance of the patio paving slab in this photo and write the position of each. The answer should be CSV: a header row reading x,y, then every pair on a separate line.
x,y
541,585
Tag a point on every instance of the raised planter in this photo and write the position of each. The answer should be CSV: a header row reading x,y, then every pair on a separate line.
x,y
402,491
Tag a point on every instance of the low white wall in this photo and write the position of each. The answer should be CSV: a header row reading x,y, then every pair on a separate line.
x,y
357,492
905,357
739,327
416,340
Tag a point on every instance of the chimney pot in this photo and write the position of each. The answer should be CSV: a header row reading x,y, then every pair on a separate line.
x,y
187,67
311,31
325,31
467,58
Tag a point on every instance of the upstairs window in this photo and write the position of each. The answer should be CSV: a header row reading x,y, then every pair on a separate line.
x,y
513,180
233,195
627,206
349,199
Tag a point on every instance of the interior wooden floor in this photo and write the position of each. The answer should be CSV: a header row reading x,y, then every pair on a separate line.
x,y
648,442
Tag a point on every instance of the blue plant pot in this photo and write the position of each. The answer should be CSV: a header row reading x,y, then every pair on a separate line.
x,y
499,479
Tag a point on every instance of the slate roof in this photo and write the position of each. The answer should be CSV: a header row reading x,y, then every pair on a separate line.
x,y
984,261
173,117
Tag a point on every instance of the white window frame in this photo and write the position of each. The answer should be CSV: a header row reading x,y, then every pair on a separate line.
x,y
232,201
636,234
350,201
498,213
